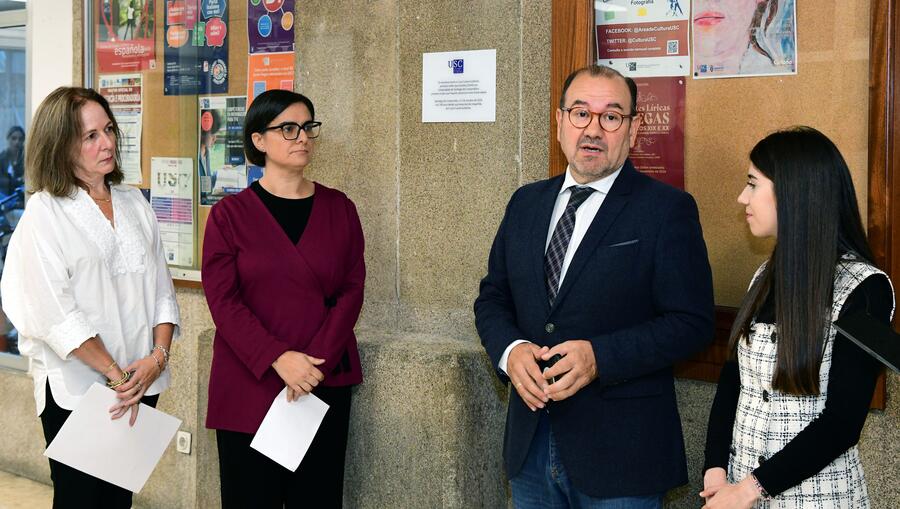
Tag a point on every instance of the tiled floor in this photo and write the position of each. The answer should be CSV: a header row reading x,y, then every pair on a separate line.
x,y
21,493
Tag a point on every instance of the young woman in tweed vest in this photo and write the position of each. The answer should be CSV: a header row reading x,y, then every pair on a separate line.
x,y
792,402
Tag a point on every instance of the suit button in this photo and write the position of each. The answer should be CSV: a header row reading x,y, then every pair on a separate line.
x,y
765,395
549,328
762,459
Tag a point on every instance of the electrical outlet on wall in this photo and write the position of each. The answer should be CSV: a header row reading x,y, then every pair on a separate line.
x,y
183,442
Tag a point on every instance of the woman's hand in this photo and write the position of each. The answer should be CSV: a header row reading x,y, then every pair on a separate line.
x,y
299,373
713,479
731,496
143,373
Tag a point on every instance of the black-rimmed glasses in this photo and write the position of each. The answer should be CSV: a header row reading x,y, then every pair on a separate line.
x,y
610,121
291,130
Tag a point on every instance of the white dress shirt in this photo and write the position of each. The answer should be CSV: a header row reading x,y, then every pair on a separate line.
x,y
70,275
584,216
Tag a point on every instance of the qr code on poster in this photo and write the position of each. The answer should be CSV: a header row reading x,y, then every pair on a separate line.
x,y
632,66
672,47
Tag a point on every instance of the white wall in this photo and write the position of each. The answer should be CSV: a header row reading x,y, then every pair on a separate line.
x,y
50,49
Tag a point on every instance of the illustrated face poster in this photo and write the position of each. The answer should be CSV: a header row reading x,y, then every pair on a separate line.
x,y
644,38
739,38
125,36
270,26
196,48
221,166
659,148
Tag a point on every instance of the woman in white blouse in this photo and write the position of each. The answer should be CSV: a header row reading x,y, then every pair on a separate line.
x,y
85,281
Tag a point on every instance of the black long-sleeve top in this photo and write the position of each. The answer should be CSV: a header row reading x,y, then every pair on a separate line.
x,y
851,381
291,213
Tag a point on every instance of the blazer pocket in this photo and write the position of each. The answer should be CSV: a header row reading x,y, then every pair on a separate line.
x,y
626,243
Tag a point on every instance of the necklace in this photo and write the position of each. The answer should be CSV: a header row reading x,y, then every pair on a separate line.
x,y
102,199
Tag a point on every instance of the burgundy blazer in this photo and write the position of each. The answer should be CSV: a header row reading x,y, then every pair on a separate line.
x,y
267,296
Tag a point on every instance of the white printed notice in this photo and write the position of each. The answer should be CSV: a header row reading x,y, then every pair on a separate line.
x,y
124,94
172,199
459,86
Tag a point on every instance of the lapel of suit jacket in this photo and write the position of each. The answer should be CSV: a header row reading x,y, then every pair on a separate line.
x,y
538,241
612,205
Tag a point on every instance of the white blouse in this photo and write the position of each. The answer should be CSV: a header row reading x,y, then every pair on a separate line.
x,y
70,276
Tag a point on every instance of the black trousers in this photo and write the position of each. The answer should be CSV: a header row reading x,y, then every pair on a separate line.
x,y
73,488
251,480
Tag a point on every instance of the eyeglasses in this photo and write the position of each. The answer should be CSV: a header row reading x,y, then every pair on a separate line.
x,y
291,130
610,121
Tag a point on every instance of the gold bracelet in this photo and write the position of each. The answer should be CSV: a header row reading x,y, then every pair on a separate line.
x,y
112,384
164,352
109,367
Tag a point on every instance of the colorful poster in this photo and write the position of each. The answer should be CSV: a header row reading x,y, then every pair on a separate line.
x,y
172,199
125,97
269,71
220,153
739,38
196,48
270,26
659,149
644,38
125,36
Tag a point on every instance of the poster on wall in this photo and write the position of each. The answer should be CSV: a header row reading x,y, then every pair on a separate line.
x,y
172,200
270,26
125,97
742,38
269,71
196,47
659,148
648,38
125,35
221,167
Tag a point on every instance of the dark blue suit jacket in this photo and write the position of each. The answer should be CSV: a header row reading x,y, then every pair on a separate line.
x,y
639,289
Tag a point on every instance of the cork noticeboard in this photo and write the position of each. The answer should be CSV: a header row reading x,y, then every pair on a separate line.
x,y
170,122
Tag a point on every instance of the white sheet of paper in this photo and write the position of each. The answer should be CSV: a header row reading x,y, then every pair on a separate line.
x,y
112,450
289,428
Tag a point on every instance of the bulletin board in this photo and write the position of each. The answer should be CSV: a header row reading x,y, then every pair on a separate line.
x,y
172,112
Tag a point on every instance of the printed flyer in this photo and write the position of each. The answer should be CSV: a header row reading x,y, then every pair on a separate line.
x,y
125,35
171,197
659,148
646,38
221,167
196,47
270,26
269,71
125,97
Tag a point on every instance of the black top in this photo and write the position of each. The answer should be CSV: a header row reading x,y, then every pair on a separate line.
x,y
291,213
851,382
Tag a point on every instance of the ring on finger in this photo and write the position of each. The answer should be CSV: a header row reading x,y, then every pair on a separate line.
x,y
519,385
138,384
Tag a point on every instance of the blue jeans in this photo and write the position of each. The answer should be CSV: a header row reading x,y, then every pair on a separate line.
x,y
543,484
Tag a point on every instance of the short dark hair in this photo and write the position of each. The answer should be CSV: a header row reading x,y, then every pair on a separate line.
x,y
15,129
266,107
54,138
604,72
818,221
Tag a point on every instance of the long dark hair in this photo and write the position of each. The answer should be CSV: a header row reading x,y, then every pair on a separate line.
x,y
818,222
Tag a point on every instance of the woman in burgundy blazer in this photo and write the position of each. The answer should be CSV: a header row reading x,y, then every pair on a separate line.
x,y
283,273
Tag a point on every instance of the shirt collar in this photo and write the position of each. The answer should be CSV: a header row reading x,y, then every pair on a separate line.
x,y
602,185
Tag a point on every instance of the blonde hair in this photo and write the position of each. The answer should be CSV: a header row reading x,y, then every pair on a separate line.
x,y
51,154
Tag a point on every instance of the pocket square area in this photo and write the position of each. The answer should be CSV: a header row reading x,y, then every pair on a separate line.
x,y
626,243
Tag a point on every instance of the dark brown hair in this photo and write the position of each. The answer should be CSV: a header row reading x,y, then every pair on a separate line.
x,y
602,71
818,222
51,154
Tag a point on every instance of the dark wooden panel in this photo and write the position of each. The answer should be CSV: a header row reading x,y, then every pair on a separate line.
x,y
570,48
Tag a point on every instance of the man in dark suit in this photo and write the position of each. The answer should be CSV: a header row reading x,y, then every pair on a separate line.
x,y
606,268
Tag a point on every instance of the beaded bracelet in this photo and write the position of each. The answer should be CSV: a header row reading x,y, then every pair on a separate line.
x,y
164,352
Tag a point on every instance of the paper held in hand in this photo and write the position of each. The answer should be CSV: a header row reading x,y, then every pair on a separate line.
x,y
289,428
112,450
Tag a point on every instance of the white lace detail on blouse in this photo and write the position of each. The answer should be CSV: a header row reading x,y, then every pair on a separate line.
x,y
122,248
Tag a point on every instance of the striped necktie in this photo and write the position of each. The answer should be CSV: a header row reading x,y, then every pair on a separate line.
x,y
559,241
